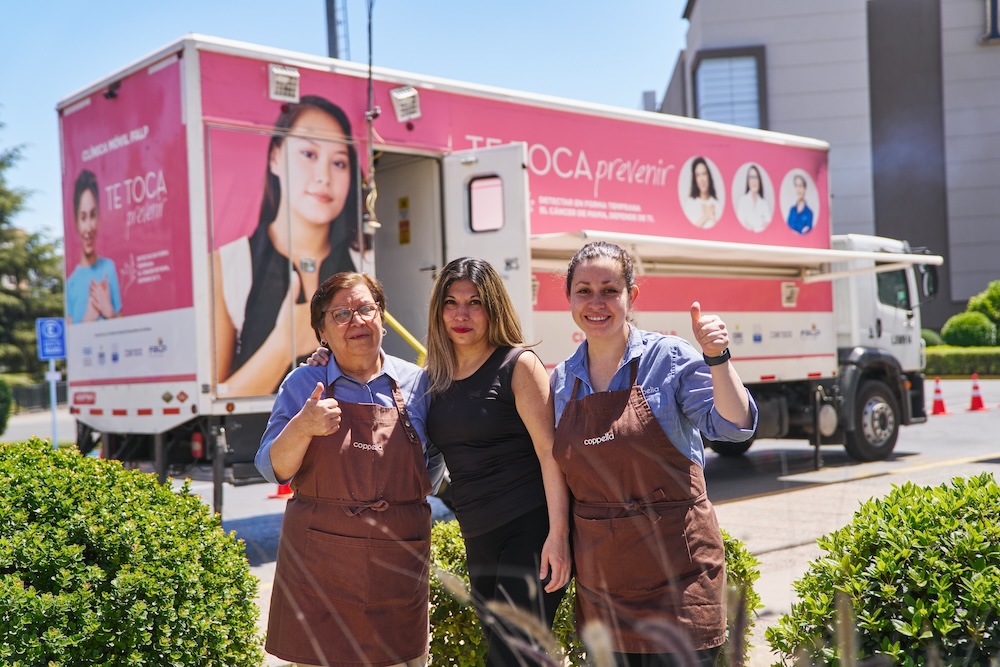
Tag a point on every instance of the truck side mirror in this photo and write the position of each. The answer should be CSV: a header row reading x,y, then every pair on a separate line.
x,y
928,280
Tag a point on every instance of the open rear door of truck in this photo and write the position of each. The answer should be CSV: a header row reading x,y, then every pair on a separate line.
x,y
486,215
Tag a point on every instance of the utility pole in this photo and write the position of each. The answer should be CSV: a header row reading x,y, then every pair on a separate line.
x,y
338,45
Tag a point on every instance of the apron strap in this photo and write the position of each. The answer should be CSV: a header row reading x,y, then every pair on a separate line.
x,y
404,417
647,505
356,507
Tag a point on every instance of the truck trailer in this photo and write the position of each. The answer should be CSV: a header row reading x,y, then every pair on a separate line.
x,y
197,180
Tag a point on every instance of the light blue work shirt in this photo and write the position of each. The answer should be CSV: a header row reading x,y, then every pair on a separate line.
x,y
298,385
78,288
676,382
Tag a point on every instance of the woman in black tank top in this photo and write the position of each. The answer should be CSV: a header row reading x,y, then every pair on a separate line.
x,y
491,416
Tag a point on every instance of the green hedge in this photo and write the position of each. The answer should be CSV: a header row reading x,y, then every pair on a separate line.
x,y
104,566
931,337
457,640
947,360
914,579
987,302
969,329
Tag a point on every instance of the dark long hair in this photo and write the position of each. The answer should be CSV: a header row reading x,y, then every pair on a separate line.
x,y
503,323
344,227
760,181
695,192
85,181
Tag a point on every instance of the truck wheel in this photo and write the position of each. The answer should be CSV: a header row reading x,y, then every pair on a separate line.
x,y
728,449
876,423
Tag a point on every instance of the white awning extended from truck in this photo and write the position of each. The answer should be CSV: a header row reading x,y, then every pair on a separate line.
x,y
658,255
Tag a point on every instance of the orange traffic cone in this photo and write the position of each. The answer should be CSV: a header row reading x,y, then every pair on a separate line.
x,y
977,398
284,491
938,408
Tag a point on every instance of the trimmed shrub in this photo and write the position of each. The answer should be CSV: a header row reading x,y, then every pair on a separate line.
x,y
916,577
931,338
104,566
987,302
456,638
6,402
945,360
969,330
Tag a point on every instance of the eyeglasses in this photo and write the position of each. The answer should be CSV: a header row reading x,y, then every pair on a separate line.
x,y
344,315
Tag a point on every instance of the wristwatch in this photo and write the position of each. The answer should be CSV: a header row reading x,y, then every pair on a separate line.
x,y
721,359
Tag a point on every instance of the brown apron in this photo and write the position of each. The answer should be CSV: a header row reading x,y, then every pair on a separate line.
x,y
647,549
350,585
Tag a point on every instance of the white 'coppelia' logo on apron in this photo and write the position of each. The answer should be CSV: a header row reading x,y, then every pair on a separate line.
x,y
610,435
366,446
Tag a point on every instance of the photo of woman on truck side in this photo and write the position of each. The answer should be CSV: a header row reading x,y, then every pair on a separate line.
x,y
92,291
753,209
702,203
308,217
800,216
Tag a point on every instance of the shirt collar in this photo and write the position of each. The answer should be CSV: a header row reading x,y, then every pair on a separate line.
x,y
577,364
635,345
333,372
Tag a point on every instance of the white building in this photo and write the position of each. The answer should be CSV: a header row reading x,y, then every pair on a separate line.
x,y
907,92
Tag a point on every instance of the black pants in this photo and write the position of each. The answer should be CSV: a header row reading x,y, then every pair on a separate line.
x,y
503,567
703,658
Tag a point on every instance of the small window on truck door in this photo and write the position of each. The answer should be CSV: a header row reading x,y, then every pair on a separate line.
x,y
486,204
892,290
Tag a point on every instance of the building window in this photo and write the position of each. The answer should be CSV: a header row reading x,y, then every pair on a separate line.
x,y
729,86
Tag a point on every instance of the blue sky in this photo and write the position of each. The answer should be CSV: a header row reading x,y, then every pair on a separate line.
x,y
593,50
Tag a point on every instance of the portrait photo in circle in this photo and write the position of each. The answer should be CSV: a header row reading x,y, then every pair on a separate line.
x,y
701,192
753,197
799,201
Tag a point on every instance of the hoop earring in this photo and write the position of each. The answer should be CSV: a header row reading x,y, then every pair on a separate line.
x,y
384,332
322,342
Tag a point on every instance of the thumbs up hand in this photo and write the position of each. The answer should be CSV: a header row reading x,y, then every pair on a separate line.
x,y
319,416
709,332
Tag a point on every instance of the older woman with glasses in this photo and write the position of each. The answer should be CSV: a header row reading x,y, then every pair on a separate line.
x,y
351,584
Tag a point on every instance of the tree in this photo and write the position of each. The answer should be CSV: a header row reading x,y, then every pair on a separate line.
x,y
31,282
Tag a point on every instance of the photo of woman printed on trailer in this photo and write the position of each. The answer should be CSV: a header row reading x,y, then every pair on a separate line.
x,y
308,217
92,291
701,192
800,200
754,197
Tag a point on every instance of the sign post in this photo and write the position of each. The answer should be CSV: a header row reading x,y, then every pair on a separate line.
x,y
51,337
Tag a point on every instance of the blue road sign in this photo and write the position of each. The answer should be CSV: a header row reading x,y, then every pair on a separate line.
x,y
51,334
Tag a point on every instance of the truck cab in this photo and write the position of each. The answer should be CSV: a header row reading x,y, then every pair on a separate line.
x,y
879,303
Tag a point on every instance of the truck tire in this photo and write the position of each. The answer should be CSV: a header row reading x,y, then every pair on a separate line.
x,y
728,449
876,423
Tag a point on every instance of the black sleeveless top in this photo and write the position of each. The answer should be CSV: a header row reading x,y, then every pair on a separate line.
x,y
268,288
495,474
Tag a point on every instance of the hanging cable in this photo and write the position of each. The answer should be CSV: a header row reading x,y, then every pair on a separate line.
x,y
371,222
